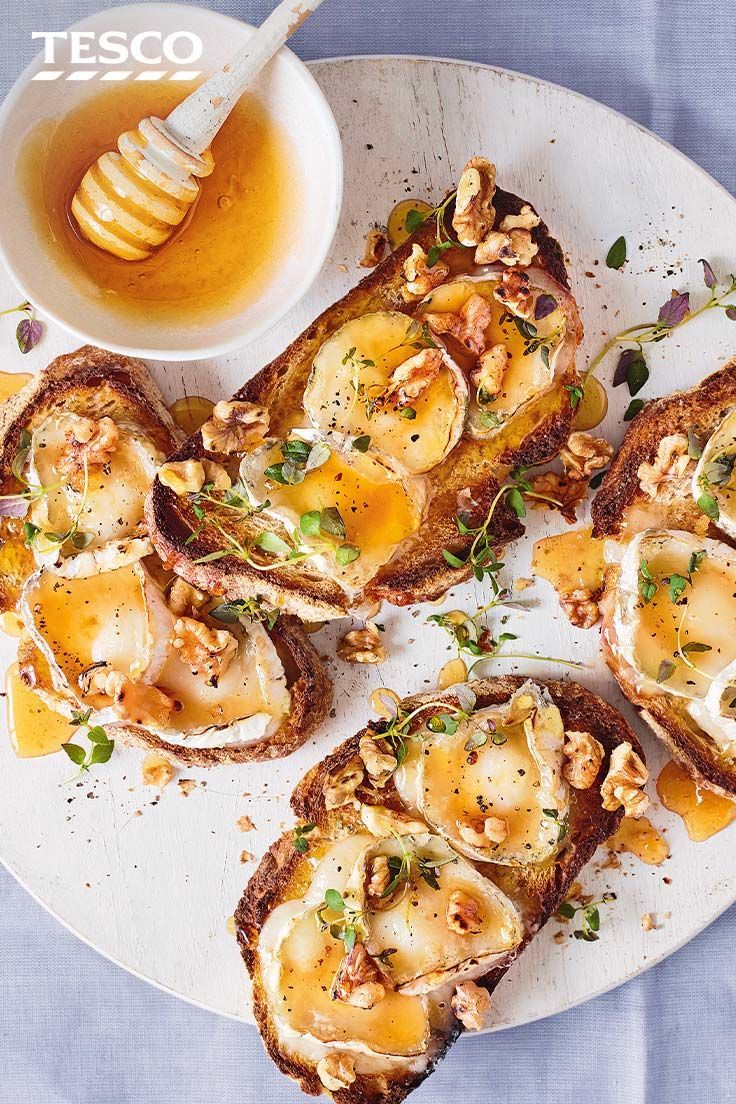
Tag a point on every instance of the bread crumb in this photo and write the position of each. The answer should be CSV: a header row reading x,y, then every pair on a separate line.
x,y
230,925
245,824
246,856
156,770
559,937
341,268
523,584
186,785
648,922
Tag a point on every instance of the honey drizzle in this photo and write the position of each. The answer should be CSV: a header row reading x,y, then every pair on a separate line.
x,y
34,729
639,837
703,811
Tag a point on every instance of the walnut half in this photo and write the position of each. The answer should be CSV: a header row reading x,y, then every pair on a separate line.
x,y
472,1005
205,651
340,788
623,785
670,464
584,755
362,645
235,427
581,608
379,763
585,454
358,980
474,213
420,278
463,913
336,1071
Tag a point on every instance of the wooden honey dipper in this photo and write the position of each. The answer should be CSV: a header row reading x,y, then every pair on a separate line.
x,y
131,200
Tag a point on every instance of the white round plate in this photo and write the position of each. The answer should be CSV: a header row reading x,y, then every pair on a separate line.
x,y
151,883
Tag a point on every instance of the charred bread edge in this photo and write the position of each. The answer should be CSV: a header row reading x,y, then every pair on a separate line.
x,y
704,404
170,530
580,709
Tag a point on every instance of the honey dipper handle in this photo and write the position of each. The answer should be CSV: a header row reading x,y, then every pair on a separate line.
x,y
196,121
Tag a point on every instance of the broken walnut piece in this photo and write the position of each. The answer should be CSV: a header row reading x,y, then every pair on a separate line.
x,y
463,913
412,377
362,645
375,246
235,427
580,608
184,598
156,770
527,219
137,702
215,474
584,454
358,980
182,476
420,278
472,1005
584,755
336,1070
515,291
89,442
623,785
482,831
468,326
379,764
340,788
474,212
513,248
567,493
487,378
205,651
380,877
669,464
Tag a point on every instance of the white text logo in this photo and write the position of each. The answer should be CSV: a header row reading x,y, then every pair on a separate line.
x,y
86,55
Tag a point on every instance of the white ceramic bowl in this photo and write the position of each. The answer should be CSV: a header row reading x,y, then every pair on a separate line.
x,y
293,99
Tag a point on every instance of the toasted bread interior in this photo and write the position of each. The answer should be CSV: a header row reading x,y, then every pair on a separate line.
x,y
369,929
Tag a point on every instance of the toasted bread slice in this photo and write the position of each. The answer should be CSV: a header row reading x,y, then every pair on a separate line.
x,y
94,384
662,498
91,383
466,480
534,890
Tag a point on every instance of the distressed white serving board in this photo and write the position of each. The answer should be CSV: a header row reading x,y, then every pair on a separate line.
x,y
151,883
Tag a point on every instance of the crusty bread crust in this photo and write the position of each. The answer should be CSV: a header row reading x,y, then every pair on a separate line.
x,y
96,383
703,406
417,572
537,890
700,408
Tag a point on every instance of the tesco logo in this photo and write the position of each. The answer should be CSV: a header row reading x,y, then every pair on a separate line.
x,y
87,55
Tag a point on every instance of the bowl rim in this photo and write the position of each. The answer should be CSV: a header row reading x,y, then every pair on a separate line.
x,y
266,321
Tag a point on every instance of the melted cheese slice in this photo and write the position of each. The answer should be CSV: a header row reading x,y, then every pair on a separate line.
x,y
308,960
379,508
526,373
120,618
649,634
113,508
715,473
517,778
427,953
354,367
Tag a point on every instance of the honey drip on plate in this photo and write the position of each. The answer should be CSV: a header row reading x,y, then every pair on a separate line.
x,y
639,837
570,561
12,382
398,231
190,412
34,729
703,811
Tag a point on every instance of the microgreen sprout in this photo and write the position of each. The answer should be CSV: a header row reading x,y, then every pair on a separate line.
x,y
29,330
591,918
100,748
301,843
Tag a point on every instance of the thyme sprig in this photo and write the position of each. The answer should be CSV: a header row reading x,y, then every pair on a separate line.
x,y
43,540
251,608
673,314
410,865
345,923
591,918
481,555
100,748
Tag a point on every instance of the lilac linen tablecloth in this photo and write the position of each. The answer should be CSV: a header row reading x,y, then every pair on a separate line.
x,y
76,1030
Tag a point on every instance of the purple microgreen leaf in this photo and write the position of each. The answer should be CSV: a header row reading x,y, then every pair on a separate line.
x,y
28,334
622,368
709,276
15,506
673,312
544,306
731,313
